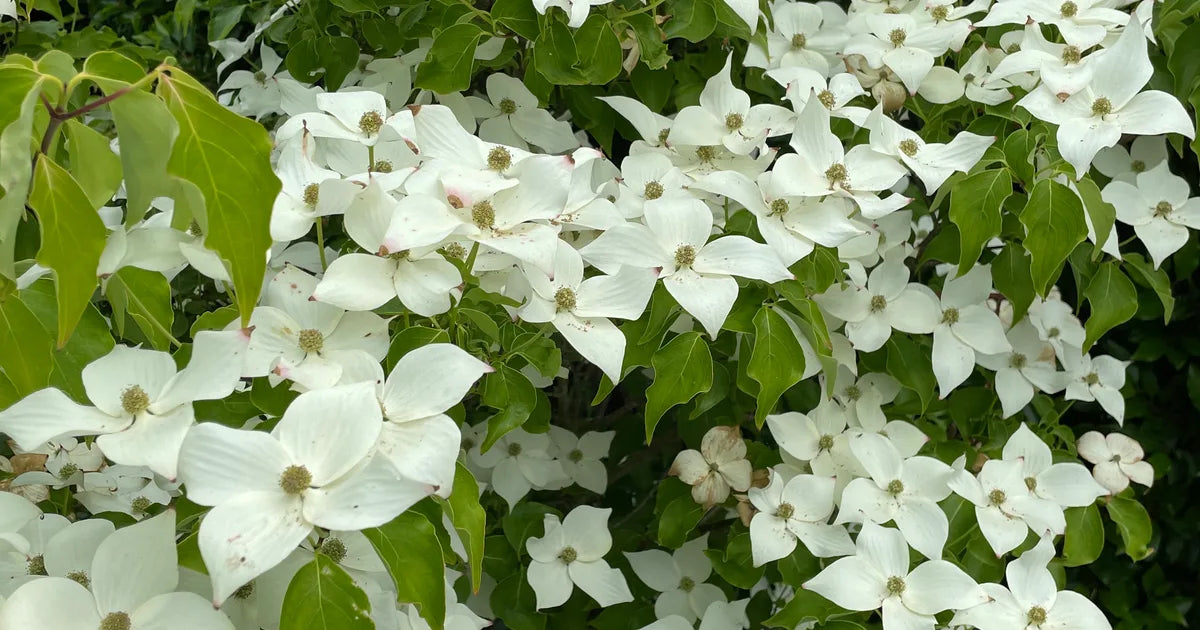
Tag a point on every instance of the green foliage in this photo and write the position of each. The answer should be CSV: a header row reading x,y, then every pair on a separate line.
x,y
410,549
322,596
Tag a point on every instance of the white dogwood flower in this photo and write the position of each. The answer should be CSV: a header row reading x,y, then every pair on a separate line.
x,y
1028,367
931,162
679,577
520,462
1097,379
726,117
571,553
580,456
878,576
577,10
719,465
1159,206
1004,506
966,327
797,510
1069,484
1116,460
885,301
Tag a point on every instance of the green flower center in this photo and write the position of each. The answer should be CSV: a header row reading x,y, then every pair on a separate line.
x,y
826,98
1071,55
662,135
825,442
140,504
312,194
706,154
653,190
67,470
508,106
295,479
685,255
686,584
575,456
382,166
36,565
897,37
996,497
81,577
311,340
895,487
134,400
115,621
909,147
400,255
837,175
1101,107
799,41
1053,332
499,159
950,316
939,12
1031,483
785,511
1069,9
194,230
514,449
334,548
370,123
483,215
454,250
564,299
1036,616
733,122
1092,378
245,591
878,303
1017,360
780,207
568,555
853,392
895,585
1163,209
1137,166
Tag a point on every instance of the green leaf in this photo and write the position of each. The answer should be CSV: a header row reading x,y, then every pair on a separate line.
x,y
518,15
93,164
228,158
777,362
145,297
412,338
803,605
693,20
513,600
322,596
910,364
19,89
1084,536
678,513
1054,225
145,126
736,565
1102,213
1113,301
1156,279
469,520
511,393
1133,523
1018,154
339,56
682,369
975,204
409,547
556,56
1010,272
73,238
447,67
650,40
25,347
92,339
599,51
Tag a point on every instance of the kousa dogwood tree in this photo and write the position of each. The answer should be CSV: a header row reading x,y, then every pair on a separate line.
x,y
549,314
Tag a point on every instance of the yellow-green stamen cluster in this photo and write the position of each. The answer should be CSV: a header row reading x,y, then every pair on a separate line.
x,y
1071,55
115,621
134,400
564,299
909,147
295,479
312,195
653,190
334,548
895,585
483,215
568,555
36,565
706,154
685,255
1163,209
826,98
1036,616
785,511
897,37
997,497
895,487
499,159
81,577
878,303
950,316
1102,107
508,106
311,340
733,122
1069,9
837,175
780,207
245,591
370,123
382,166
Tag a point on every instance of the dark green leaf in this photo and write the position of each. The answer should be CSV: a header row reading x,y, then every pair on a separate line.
x,y
25,347
1102,213
447,67
650,40
1156,279
598,49
518,15
682,369
975,204
1010,272
469,520
776,363
511,393
1113,301
145,297
409,547
692,20
1084,536
1054,225
93,164
910,364
19,89
556,55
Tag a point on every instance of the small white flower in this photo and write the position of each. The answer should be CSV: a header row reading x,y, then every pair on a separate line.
x,y
726,117
719,465
1099,379
580,456
520,462
796,510
885,301
1160,208
1004,506
1116,459
679,578
1067,483
571,553
1028,367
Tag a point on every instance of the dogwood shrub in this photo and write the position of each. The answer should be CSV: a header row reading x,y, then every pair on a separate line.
x,y
584,313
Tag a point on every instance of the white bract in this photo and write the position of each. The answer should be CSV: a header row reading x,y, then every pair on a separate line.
x,y
1159,206
719,465
795,510
571,553
1116,460
679,577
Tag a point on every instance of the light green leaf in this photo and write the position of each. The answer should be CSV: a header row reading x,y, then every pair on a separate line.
x,y
556,56
693,20
1133,523
776,363
1102,213
678,513
975,204
736,565
25,347
1084,536
682,369
19,89
518,15
599,51
93,163
447,67
649,38
72,240
322,596
1054,225
92,339
510,392
1113,301
469,520
228,158
1156,279
145,297
1010,273
409,547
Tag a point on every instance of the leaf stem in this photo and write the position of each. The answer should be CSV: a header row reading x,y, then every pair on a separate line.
x,y
321,244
